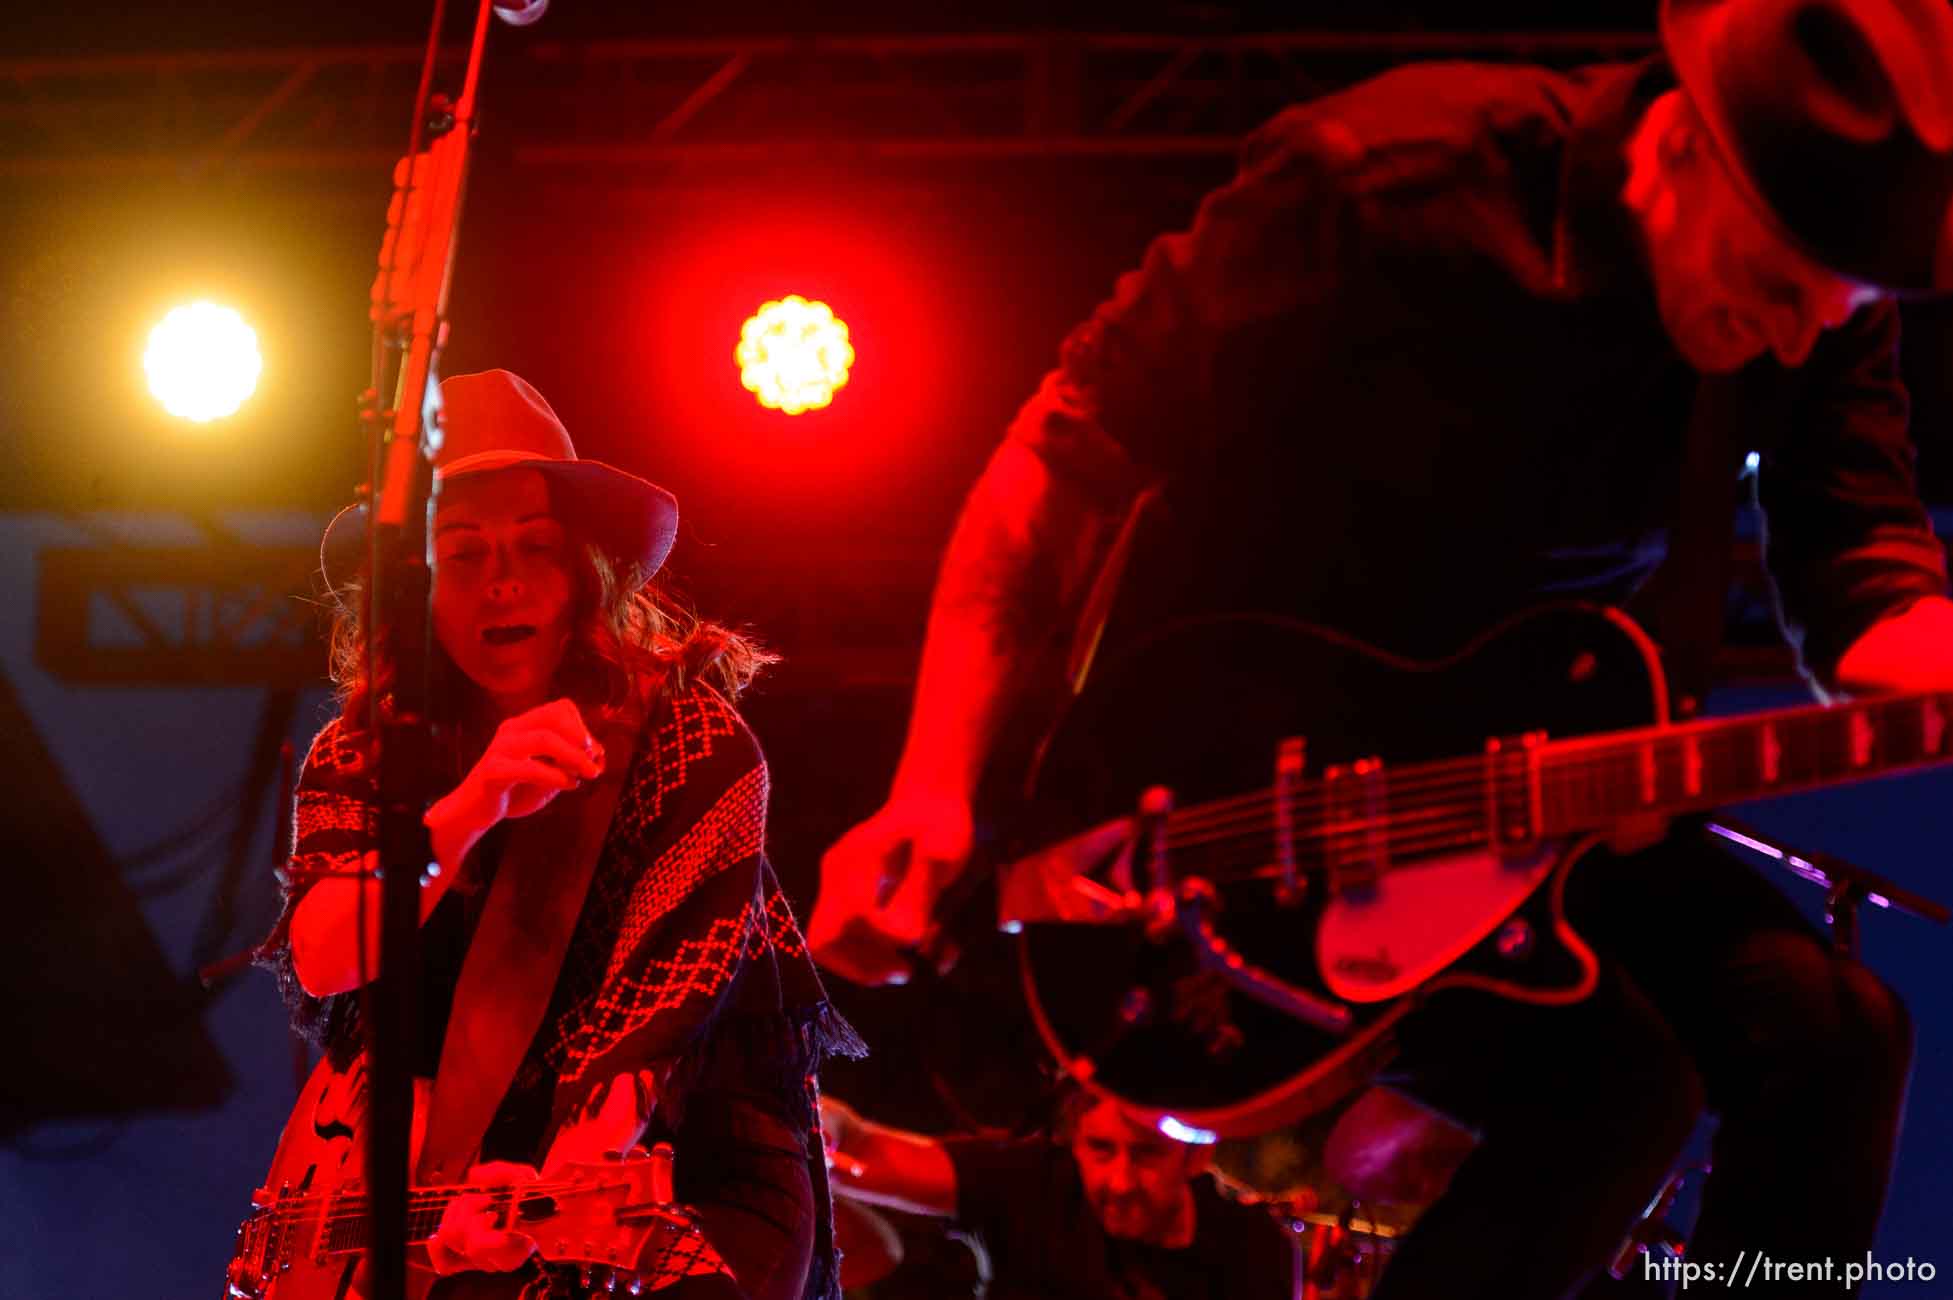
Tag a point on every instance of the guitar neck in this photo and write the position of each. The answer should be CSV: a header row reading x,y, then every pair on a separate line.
x,y
348,1219
1596,782
1364,817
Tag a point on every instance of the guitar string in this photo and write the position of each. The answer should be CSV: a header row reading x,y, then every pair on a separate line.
x,y
1447,824
1237,870
1578,795
1425,779
1476,770
1462,826
1442,836
1829,728
1744,738
1414,773
337,1208
539,1188
1408,829
1619,772
1390,825
1400,801
1440,833
332,1216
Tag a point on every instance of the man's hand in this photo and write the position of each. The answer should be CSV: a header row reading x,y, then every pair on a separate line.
x,y
886,1166
880,883
469,1237
1910,651
839,1125
836,1118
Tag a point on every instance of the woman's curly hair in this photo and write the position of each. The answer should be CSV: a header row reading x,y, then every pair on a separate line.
x,y
623,633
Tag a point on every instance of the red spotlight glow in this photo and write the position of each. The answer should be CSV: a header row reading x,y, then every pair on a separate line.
x,y
793,354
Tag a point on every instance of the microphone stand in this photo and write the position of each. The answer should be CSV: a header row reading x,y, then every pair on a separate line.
x,y
1845,884
410,319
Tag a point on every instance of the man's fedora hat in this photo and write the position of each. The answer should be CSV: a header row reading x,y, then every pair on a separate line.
x,y
495,421
1837,118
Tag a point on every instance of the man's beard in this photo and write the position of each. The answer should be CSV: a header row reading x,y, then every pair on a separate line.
x,y
1133,1218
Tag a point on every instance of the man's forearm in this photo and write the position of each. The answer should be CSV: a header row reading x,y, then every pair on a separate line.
x,y
895,1168
1025,549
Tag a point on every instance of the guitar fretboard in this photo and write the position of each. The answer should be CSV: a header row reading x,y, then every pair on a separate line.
x,y
1590,784
349,1224
1363,818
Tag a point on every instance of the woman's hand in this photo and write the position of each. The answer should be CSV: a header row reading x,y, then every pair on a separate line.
x,y
533,757
608,1123
470,1236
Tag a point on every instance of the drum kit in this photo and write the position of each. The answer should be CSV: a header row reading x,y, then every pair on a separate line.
x,y
1388,1156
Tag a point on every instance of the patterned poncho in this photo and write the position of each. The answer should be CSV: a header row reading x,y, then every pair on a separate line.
x,y
685,959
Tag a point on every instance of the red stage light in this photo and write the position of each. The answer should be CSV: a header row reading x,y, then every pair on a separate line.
x,y
793,354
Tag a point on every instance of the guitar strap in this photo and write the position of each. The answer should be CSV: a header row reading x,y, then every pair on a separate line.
x,y
1097,609
1684,602
517,952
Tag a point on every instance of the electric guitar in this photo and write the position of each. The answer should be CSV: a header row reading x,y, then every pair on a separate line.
x,y
1229,961
306,1235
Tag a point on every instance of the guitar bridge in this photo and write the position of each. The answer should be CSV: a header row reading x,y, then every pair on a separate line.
x,y
1513,799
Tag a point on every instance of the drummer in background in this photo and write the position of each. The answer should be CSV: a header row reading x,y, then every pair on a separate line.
x,y
1107,1209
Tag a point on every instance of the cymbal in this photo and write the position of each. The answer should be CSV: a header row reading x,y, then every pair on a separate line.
x,y
870,1247
1387,1148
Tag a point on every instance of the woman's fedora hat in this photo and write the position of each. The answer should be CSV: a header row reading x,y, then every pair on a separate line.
x,y
495,421
1837,119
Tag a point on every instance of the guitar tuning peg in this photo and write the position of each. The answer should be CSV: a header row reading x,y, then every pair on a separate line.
x,y
588,1273
610,1279
636,1285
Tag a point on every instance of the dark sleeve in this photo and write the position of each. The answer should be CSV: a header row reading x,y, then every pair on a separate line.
x,y
998,1182
1847,540
1135,388
333,826
678,926
1260,1255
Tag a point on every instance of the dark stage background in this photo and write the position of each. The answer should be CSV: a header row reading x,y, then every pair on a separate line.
x,y
155,649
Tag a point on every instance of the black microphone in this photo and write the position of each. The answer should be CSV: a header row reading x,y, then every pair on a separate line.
x,y
521,13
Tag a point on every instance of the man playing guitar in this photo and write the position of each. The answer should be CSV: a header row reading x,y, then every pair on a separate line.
x,y
1444,349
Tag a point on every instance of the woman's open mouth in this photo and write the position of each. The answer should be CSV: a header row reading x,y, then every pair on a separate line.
x,y
508,634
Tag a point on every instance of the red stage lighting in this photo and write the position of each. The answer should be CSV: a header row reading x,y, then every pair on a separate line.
x,y
793,354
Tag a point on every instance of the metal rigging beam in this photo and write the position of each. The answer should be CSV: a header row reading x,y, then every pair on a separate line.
x,y
336,112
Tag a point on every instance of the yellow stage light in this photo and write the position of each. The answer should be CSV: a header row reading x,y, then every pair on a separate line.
x,y
793,354
202,362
